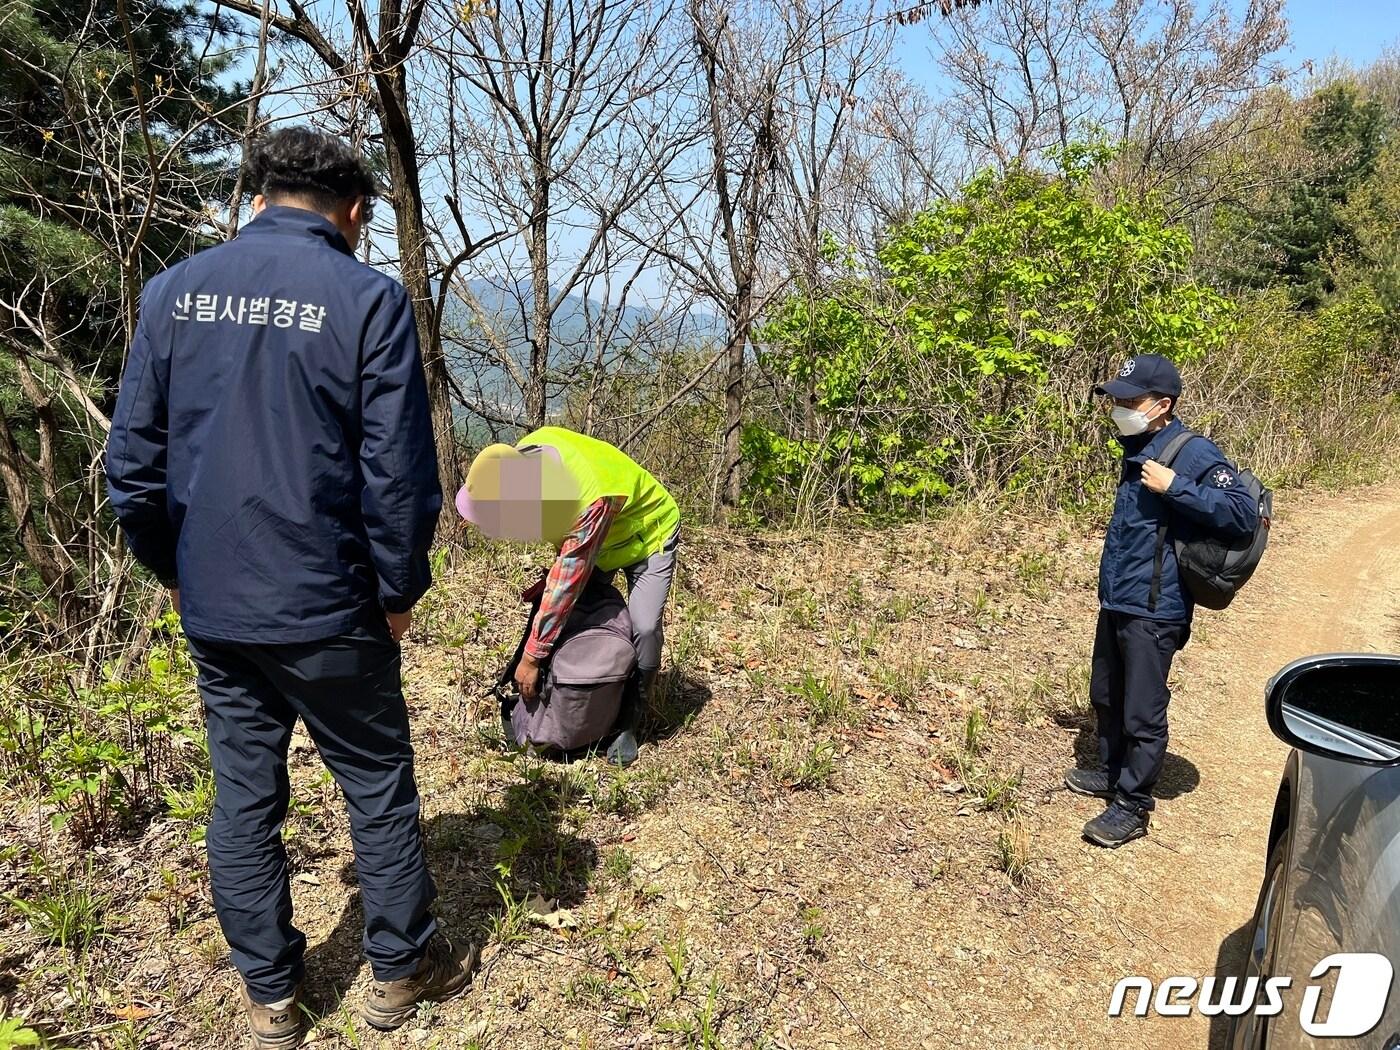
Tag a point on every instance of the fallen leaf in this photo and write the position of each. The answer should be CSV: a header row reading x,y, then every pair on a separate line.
x,y
548,914
560,920
131,1013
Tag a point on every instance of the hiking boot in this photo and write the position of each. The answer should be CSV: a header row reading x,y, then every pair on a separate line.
x,y
623,751
275,1026
1120,823
444,973
1093,782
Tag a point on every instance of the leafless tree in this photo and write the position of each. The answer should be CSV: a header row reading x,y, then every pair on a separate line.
x,y
373,63
778,93
900,155
557,125
1175,81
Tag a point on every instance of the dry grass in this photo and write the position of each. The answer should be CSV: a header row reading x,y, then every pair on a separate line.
x,y
834,815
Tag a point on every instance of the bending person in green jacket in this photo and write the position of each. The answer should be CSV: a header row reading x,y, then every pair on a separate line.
x,y
599,509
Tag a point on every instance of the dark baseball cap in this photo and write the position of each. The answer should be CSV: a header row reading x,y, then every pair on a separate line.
x,y
1144,374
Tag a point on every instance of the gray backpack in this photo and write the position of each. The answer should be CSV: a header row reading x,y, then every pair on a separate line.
x,y
1213,568
582,684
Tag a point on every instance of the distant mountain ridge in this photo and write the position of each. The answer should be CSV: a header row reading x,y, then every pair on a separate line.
x,y
508,310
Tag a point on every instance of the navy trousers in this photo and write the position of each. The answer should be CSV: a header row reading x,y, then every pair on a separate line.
x,y
1128,687
347,691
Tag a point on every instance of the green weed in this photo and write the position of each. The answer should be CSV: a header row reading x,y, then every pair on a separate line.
x,y
618,865
975,730
813,928
828,700
904,681
677,956
193,804
1076,689
1033,569
999,793
14,1035
901,607
805,769
67,912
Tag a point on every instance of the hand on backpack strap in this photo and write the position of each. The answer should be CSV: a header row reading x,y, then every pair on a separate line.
x,y
1156,477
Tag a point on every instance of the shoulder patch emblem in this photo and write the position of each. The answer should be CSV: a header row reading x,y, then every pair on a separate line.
x,y
1127,368
1222,479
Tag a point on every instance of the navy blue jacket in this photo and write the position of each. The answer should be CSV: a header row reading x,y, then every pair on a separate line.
x,y
1205,498
272,448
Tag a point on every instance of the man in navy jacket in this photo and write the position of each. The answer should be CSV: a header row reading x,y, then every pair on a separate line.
x,y
1145,609
272,462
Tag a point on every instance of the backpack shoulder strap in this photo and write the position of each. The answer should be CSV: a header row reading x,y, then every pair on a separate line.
x,y
532,596
1175,445
1167,458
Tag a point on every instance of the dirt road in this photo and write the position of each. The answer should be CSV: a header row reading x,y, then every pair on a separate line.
x,y
1181,902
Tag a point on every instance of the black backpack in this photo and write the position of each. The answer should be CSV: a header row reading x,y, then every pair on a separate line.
x,y
1213,569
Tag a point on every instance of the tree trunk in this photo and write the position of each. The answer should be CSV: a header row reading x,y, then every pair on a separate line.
x,y
730,488
537,396
52,569
401,154
413,271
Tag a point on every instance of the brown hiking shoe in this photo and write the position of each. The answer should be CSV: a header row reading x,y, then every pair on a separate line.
x,y
275,1026
444,972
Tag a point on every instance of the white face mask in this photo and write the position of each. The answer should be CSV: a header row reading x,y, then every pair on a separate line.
x,y
1130,421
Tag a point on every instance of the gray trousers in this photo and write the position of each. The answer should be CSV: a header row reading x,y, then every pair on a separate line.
x,y
648,584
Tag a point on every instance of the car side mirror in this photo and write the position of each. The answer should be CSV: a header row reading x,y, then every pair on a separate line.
x,y
1344,706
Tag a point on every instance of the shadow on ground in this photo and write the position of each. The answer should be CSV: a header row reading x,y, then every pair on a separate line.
x,y
678,701
1179,774
1229,962
519,849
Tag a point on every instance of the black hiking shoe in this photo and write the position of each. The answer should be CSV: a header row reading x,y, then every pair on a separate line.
x,y
1093,782
1117,825
444,973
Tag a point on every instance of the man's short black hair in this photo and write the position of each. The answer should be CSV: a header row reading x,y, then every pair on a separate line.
x,y
311,165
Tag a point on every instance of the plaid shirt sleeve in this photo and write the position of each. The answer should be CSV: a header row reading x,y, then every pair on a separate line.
x,y
569,574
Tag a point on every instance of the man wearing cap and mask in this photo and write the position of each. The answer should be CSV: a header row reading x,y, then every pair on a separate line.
x,y
1145,610
600,510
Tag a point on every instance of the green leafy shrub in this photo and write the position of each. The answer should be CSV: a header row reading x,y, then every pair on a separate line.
x,y
961,361
107,756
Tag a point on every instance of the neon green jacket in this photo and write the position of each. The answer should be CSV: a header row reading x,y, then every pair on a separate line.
x,y
650,514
